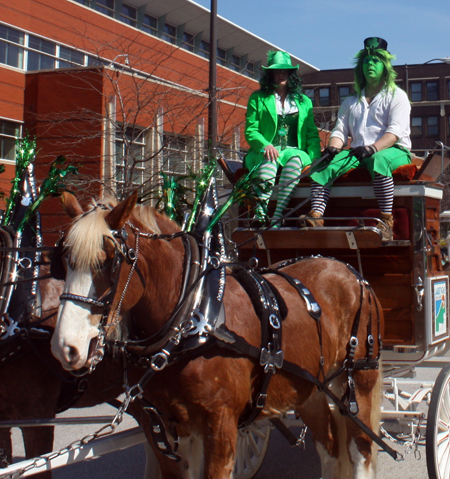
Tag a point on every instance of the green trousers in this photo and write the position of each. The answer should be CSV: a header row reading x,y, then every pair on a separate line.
x,y
383,162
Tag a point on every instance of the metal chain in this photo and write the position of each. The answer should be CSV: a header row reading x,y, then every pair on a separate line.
x,y
75,445
411,445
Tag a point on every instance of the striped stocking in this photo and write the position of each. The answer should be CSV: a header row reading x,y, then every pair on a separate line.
x,y
319,197
383,187
267,173
289,173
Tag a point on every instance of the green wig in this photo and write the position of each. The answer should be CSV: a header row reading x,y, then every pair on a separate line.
x,y
389,72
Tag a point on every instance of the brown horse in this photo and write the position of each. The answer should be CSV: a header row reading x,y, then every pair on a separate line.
x,y
209,394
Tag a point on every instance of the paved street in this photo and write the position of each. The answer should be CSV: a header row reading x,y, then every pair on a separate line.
x,y
281,461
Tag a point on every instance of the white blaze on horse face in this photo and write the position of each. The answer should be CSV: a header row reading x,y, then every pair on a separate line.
x,y
75,327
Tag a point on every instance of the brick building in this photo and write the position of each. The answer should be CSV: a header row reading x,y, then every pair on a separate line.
x,y
120,88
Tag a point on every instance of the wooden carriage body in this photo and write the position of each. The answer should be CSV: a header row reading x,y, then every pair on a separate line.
x,y
407,274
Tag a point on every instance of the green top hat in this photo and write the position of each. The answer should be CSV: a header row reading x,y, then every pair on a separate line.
x,y
279,61
375,43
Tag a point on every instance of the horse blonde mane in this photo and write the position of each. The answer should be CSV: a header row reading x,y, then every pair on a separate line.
x,y
85,238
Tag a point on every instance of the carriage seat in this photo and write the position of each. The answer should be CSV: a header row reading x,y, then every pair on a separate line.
x,y
234,170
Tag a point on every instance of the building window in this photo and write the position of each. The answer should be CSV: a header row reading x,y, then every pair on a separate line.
x,y
416,91
40,61
130,153
432,91
9,133
221,56
309,92
169,33
106,7
10,52
235,63
448,89
176,154
128,15
150,24
204,49
73,57
324,96
416,126
188,42
83,2
344,92
432,126
249,70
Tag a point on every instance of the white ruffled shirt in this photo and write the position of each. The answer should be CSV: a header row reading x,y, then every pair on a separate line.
x,y
289,105
388,112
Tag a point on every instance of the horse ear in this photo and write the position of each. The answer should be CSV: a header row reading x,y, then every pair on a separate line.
x,y
71,205
122,212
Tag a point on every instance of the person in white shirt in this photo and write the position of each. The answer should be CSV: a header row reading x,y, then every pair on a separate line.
x,y
377,119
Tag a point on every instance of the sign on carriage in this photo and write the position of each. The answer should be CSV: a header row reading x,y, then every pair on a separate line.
x,y
439,289
440,312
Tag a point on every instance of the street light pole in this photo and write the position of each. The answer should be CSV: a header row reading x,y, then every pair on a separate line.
x,y
212,109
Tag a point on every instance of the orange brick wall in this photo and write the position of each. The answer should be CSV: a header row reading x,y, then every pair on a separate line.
x,y
47,100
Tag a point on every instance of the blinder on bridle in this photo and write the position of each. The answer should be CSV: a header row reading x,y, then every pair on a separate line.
x,y
121,252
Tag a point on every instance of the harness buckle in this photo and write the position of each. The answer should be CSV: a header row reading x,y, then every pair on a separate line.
x,y
274,321
214,262
261,401
159,361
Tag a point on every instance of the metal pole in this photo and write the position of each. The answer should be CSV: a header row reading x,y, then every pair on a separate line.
x,y
212,110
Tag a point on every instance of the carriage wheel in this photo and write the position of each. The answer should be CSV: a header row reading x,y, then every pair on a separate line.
x,y
252,445
438,428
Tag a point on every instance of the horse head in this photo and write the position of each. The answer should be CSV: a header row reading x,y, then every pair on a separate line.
x,y
91,252
118,262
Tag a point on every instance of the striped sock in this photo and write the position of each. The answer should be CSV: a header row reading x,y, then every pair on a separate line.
x,y
383,187
267,173
319,197
289,173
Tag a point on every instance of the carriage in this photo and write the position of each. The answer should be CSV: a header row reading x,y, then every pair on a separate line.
x,y
407,275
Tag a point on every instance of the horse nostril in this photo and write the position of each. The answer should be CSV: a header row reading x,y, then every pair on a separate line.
x,y
72,355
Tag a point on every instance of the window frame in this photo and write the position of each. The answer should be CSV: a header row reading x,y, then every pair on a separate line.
x,y
321,97
10,138
417,128
418,94
434,128
432,93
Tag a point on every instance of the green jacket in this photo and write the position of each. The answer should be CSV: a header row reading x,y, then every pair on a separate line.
x,y
261,127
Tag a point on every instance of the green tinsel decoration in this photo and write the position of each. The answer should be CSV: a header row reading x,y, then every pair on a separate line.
x,y
25,154
247,188
174,195
202,184
53,185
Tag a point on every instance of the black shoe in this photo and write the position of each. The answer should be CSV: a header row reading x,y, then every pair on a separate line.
x,y
259,223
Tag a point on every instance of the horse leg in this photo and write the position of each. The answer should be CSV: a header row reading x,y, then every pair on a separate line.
x,y
323,423
362,450
219,439
38,441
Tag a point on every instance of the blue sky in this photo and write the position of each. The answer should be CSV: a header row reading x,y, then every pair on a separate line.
x,y
327,33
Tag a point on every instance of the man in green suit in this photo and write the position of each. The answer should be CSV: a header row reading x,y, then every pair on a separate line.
x,y
281,132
